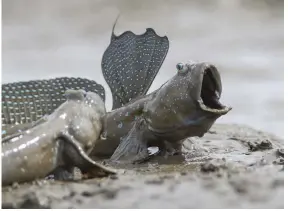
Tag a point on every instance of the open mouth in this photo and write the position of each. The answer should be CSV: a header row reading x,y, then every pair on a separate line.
x,y
211,91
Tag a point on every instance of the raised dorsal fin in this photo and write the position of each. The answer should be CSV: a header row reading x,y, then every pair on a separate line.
x,y
131,62
27,101
113,36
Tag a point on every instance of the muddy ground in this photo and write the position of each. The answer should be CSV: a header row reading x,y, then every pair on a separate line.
x,y
232,166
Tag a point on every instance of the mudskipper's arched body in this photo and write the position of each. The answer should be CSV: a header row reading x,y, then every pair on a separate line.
x,y
186,105
61,139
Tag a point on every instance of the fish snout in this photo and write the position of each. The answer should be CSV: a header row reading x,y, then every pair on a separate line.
x,y
208,88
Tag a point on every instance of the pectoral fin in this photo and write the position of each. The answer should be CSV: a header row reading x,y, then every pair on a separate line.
x,y
133,147
66,173
74,155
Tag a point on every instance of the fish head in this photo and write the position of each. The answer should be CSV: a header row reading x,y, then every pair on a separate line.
x,y
204,87
189,103
96,115
75,95
88,109
92,99
95,101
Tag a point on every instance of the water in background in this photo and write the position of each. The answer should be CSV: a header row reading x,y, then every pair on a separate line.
x,y
244,39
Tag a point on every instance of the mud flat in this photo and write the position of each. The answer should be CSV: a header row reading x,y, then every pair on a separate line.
x,y
232,166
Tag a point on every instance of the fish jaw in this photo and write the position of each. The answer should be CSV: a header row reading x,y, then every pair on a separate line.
x,y
188,104
207,92
206,88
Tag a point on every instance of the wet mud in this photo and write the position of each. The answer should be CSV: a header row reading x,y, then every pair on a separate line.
x,y
232,166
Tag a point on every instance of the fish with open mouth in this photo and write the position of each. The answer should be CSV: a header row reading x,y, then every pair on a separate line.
x,y
186,105
58,141
129,66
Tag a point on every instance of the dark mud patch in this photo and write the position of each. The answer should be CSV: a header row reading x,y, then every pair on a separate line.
x,y
218,170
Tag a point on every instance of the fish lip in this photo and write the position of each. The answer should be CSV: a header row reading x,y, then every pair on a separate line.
x,y
209,100
222,111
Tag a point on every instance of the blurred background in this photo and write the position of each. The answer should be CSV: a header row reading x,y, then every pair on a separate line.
x,y
245,39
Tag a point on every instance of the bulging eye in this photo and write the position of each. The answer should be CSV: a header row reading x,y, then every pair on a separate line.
x,y
180,66
84,93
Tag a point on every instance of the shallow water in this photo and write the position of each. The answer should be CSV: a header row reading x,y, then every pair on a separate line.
x,y
44,39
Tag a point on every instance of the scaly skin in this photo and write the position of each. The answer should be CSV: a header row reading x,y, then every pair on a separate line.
x,y
186,105
62,139
167,123
117,124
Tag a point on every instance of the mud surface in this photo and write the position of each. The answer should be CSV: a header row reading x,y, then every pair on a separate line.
x,y
232,166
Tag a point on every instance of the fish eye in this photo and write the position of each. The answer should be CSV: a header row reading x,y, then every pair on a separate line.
x,y
179,66
84,93
182,68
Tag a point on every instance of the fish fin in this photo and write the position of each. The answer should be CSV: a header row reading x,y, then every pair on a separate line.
x,y
153,151
133,147
74,155
131,62
28,101
65,173
113,36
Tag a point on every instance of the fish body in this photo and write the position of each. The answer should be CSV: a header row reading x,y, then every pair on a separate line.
x,y
116,125
186,105
62,139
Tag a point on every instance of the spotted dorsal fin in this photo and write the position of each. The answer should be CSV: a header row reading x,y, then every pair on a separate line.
x,y
131,62
27,101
